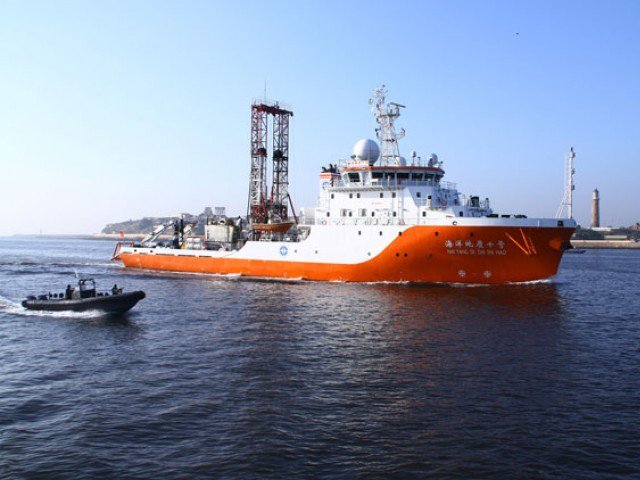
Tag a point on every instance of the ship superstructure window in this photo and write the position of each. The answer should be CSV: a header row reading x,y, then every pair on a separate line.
x,y
416,177
424,214
351,195
343,212
403,175
393,194
354,176
376,175
418,194
350,213
373,214
357,195
362,212
381,195
328,213
333,195
395,214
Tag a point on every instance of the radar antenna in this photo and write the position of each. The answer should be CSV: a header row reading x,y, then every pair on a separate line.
x,y
386,114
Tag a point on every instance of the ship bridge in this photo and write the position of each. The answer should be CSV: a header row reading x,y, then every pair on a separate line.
x,y
377,185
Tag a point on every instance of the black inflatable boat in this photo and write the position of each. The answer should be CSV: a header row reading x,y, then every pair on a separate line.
x,y
85,298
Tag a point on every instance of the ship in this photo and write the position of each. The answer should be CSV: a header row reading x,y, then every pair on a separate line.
x,y
380,217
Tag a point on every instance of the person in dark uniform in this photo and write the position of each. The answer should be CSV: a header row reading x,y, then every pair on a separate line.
x,y
68,292
115,290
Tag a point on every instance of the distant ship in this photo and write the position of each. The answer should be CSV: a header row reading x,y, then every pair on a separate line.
x,y
380,217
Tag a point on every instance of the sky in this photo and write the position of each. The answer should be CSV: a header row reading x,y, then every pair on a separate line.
x,y
116,110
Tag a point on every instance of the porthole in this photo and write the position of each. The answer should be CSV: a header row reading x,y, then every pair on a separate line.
x,y
436,234
406,254
359,232
471,234
399,234
380,233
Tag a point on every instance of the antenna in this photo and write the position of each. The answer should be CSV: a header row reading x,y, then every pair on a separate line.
x,y
569,186
386,114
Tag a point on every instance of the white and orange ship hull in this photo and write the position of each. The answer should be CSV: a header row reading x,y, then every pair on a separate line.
x,y
462,252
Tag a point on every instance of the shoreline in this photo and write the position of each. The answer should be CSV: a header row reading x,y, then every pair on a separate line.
x,y
605,244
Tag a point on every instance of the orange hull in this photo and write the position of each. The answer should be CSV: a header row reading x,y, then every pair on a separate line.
x,y
449,254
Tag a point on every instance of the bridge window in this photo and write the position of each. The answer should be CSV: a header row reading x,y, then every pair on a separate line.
x,y
354,177
418,194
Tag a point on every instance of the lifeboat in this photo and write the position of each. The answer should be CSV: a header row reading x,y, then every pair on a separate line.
x,y
279,227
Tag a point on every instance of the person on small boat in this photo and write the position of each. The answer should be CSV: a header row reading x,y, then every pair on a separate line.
x,y
84,298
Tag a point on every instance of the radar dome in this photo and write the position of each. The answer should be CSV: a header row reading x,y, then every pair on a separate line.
x,y
366,150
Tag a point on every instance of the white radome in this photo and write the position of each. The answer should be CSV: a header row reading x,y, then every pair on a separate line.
x,y
366,150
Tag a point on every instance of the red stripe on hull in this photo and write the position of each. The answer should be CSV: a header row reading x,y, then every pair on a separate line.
x,y
449,254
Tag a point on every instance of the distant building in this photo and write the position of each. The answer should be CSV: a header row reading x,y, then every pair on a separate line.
x,y
635,228
616,237
595,210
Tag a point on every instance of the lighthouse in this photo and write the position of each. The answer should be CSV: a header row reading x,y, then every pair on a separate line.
x,y
595,210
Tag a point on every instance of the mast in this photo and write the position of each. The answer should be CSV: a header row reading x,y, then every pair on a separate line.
x,y
386,114
569,186
572,187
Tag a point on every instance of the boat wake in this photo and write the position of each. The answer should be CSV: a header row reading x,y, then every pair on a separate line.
x,y
14,308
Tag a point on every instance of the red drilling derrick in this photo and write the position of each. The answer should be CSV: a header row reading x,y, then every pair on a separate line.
x,y
263,207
